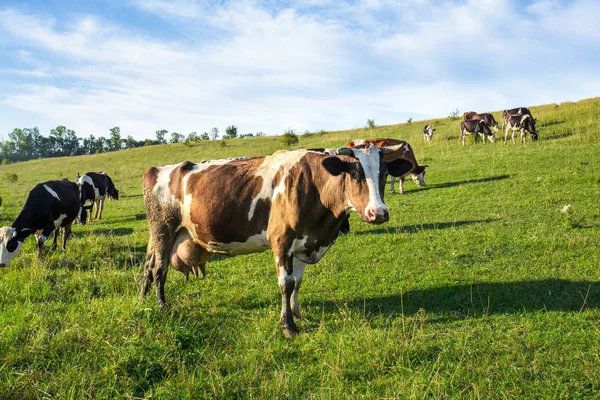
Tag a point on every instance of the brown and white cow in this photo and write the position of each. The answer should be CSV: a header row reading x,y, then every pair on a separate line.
x,y
477,128
428,133
468,115
524,123
488,118
49,207
404,152
291,202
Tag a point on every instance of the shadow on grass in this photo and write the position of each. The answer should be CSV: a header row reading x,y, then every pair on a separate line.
x,y
467,182
558,135
485,299
423,227
550,123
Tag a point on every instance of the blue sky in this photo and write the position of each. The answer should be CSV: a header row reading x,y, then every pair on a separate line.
x,y
190,65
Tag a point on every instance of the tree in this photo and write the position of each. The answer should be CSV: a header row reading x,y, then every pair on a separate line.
x,y
193,137
160,136
214,133
115,140
370,123
89,145
176,137
63,141
230,132
204,136
289,138
454,115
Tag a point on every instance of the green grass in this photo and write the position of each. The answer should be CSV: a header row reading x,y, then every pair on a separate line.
x,y
478,287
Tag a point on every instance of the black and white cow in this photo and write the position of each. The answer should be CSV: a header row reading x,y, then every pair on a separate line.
x,y
96,187
524,123
489,118
478,128
49,206
514,111
428,133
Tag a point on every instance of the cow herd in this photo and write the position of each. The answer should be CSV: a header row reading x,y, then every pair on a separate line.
x,y
485,125
295,203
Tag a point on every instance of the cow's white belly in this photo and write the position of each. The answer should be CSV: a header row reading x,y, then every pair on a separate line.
x,y
255,244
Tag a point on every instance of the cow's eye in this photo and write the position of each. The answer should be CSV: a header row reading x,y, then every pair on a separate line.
x,y
354,175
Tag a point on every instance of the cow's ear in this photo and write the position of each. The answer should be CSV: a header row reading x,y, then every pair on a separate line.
x,y
399,166
334,165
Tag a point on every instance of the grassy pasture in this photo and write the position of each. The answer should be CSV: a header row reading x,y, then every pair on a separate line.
x,y
478,287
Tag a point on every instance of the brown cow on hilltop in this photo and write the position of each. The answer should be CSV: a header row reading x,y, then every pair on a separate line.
x,y
291,202
468,115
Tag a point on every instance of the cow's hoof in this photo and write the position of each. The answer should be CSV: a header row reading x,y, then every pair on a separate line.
x,y
289,333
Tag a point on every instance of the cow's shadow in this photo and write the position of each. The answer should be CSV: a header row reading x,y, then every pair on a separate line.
x,y
423,227
478,299
459,183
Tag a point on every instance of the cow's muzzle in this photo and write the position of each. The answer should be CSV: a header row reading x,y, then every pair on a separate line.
x,y
378,216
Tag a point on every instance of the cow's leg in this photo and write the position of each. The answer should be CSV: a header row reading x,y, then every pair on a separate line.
x,y
287,284
513,137
523,136
55,240
41,239
401,184
100,208
148,268
95,206
506,135
463,138
392,183
299,267
66,234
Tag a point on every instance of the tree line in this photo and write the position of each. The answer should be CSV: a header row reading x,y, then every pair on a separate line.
x,y
28,143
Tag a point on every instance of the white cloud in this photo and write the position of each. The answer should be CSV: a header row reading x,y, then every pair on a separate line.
x,y
266,70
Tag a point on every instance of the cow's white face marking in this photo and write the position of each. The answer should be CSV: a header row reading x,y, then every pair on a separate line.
x,y
6,256
371,165
407,147
52,192
267,171
59,220
419,179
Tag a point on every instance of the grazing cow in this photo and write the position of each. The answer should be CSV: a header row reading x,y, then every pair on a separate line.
x,y
49,206
428,133
524,123
293,202
96,187
404,152
468,115
489,118
514,111
478,128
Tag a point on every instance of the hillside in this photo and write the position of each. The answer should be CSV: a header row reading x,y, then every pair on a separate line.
x,y
478,286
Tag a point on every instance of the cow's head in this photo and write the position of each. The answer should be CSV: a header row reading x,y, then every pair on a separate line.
x,y
83,213
364,172
10,245
484,129
418,174
114,194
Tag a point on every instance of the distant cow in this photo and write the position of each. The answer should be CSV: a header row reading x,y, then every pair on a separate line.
x,y
478,128
292,202
524,123
468,115
49,206
96,187
514,111
489,118
404,152
428,133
